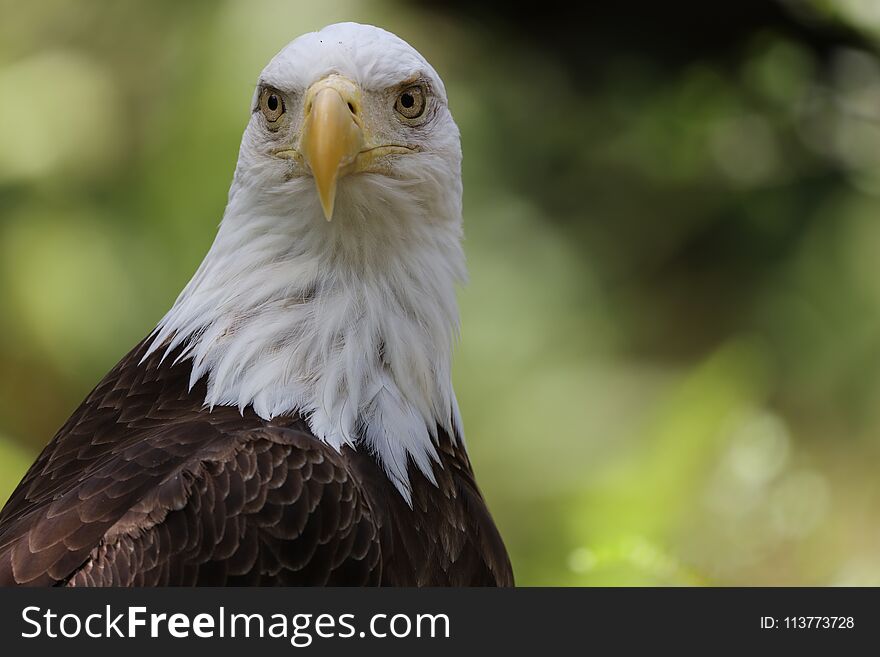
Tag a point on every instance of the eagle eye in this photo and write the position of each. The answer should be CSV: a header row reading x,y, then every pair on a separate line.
x,y
272,106
411,102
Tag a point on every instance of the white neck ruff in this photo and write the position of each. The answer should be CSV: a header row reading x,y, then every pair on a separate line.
x,y
349,323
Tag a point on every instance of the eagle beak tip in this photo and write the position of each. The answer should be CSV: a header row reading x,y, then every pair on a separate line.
x,y
328,201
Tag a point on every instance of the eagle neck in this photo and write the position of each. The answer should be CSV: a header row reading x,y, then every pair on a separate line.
x,y
350,323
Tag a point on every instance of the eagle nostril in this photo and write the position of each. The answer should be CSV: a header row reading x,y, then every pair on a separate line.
x,y
351,108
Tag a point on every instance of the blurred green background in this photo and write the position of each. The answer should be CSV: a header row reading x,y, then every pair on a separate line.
x,y
670,363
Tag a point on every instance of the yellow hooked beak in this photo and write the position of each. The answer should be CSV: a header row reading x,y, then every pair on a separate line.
x,y
332,135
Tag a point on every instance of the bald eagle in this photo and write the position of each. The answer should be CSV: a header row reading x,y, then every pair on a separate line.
x,y
291,420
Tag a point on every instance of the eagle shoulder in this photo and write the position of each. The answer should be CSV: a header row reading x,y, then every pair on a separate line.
x,y
268,505
279,509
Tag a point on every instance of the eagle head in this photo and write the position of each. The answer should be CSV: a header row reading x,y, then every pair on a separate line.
x,y
349,107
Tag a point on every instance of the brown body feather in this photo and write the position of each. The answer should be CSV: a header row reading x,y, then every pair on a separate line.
x,y
143,486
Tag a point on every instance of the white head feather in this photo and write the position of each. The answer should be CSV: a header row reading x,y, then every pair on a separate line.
x,y
351,322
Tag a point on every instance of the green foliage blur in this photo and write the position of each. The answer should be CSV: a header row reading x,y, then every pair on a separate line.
x,y
670,362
